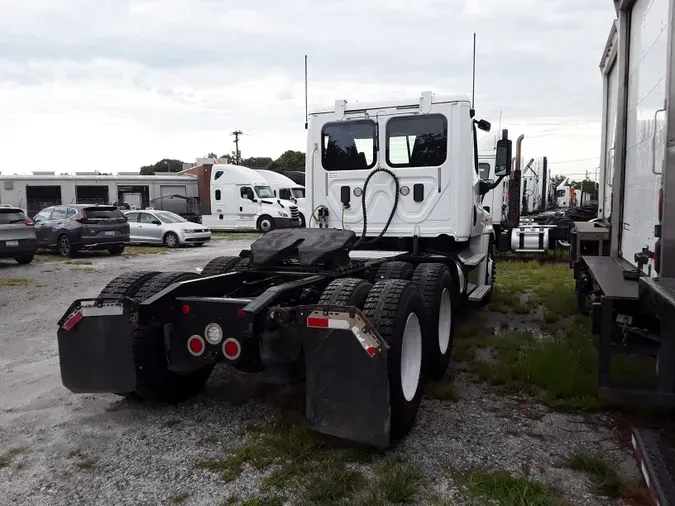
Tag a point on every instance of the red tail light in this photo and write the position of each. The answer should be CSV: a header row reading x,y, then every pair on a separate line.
x,y
122,220
657,256
85,221
29,223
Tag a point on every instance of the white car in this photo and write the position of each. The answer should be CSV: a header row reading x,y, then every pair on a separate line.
x,y
170,229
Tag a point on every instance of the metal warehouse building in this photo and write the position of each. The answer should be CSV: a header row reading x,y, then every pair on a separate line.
x,y
38,190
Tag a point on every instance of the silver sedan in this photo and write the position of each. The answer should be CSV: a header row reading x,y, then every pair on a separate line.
x,y
170,229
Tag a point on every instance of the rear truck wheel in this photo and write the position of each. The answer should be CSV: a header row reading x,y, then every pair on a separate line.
x,y
439,293
126,285
117,250
24,259
171,240
265,224
64,246
242,265
220,265
346,292
395,270
154,382
303,223
396,310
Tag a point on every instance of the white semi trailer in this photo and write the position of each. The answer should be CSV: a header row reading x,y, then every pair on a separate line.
x,y
632,289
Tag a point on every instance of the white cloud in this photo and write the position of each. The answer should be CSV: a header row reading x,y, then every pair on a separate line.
x,y
127,82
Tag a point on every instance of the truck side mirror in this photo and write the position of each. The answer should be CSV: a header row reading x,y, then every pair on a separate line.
x,y
503,157
483,125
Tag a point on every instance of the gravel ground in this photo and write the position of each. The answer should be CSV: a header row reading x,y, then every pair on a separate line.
x,y
67,449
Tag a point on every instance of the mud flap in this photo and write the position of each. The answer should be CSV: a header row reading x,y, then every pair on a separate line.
x,y
95,347
347,381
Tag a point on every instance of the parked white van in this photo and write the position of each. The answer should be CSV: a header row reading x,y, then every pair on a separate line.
x,y
241,199
287,189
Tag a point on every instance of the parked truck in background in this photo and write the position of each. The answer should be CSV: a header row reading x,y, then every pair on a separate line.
x,y
631,289
287,189
363,304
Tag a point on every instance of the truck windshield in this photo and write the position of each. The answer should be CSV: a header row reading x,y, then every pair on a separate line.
x,y
264,192
298,193
348,145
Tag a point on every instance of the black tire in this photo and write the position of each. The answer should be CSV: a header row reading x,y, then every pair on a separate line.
x,y
171,240
438,290
64,246
154,382
265,224
117,250
388,307
24,259
303,223
346,292
126,285
220,265
242,265
395,270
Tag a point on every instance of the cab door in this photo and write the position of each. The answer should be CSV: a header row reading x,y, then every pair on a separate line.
x,y
249,207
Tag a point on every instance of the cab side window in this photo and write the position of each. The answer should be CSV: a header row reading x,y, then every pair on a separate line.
x,y
246,192
285,194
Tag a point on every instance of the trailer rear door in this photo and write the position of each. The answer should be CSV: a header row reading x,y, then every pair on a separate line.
x,y
646,124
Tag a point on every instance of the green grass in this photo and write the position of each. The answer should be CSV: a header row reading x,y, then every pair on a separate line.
x,y
441,390
561,373
132,251
263,501
299,460
233,236
507,490
79,262
398,481
13,282
605,477
4,463
179,499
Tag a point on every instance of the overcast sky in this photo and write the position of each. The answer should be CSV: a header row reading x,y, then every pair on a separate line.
x,y
115,84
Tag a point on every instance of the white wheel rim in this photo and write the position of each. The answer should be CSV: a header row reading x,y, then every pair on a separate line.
x,y
444,321
265,225
411,357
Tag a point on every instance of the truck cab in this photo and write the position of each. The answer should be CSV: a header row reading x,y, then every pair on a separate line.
x,y
287,189
405,172
494,201
241,199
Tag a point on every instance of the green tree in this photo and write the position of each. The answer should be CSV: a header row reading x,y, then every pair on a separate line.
x,y
164,165
257,162
211,155
289,160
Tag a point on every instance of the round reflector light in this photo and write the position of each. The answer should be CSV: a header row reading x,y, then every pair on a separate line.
x,y
358,192
405,191
213,333
186,309
231,349
196,345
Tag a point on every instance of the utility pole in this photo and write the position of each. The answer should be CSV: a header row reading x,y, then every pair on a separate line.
x,y
237,153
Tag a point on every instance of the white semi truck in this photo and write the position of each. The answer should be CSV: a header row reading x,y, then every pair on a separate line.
x,y
362,304
632,287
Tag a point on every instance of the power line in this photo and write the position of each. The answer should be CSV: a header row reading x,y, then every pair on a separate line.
x,y
577,160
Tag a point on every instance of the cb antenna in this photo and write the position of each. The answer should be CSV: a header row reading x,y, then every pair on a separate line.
x,y
473,82
306,115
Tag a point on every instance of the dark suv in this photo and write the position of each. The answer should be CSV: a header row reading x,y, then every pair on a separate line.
x,y
17,235
74,227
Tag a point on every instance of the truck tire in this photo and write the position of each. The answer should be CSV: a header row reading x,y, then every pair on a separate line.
x,y
126,285
346,292
220,265
265,224
154,382
439,293
395,270
242,265
396,309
